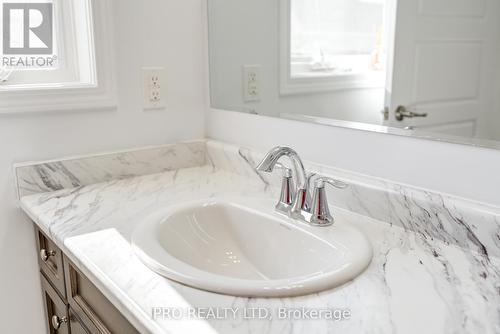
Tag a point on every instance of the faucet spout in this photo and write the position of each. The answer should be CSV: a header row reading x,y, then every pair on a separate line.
x,y
271,159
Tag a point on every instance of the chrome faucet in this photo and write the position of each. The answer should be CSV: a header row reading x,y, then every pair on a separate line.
x,y
267,165
298,203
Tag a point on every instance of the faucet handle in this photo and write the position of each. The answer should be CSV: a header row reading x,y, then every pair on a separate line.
x,y
320,213
321,181
287,190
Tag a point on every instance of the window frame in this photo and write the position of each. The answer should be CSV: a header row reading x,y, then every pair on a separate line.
x,y
37,78
315,84
101,94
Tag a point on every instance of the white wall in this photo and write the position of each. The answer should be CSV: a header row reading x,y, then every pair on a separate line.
x,y
464,171
495,119
246,32
147,33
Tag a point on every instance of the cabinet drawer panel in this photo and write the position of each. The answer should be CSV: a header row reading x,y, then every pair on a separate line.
x,y
50,260
55,309
92,307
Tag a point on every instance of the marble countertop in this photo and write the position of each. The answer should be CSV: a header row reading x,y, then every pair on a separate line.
x,y
414,284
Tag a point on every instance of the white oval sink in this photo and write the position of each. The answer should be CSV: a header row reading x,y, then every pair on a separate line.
x,y
238,250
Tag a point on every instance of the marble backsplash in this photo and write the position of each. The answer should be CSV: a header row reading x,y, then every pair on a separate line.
x,y
39,177
431,215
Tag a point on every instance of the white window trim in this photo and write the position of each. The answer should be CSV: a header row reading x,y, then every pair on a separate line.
x,y
74,98
293,86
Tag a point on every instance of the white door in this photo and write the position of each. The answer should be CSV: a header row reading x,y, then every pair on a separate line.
x,y
443,64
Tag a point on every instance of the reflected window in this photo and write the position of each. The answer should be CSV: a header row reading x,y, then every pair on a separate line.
x,y
337,37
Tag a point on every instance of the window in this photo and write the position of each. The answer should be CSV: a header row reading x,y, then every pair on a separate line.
x,y
54,46
333,44
58,49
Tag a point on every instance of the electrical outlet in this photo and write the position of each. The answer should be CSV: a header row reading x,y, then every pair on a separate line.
x,y
251,83
153,87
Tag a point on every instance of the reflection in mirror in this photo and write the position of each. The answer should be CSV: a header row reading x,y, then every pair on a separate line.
x,y
408,67
334,38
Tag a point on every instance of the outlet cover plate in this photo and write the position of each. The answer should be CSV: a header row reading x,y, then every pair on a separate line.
x,y
154,92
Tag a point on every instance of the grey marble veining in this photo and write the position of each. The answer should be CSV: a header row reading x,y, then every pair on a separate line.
x,y
39,177
432,215
414,284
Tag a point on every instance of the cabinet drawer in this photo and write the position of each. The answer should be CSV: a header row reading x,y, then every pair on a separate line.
x,y
91,306
50,259
55,309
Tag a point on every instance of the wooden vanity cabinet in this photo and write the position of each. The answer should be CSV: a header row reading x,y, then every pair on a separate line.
x,y
73,305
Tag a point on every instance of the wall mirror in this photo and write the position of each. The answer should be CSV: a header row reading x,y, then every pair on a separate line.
x,y
412,67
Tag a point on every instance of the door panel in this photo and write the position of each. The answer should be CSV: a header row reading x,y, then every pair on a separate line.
x,y
446,71
444,51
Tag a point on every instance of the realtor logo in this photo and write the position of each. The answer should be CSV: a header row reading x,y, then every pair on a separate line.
x,y
27,28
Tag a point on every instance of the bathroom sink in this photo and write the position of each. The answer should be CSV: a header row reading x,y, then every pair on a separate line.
x,y
240,250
